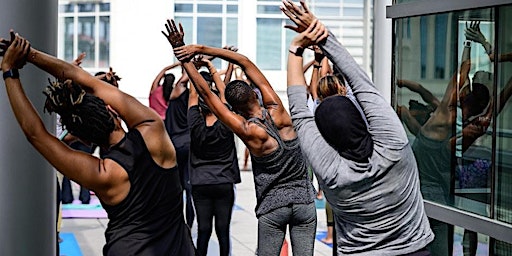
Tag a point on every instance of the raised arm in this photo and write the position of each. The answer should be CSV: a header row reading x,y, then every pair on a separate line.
x,y
181,85
271,100
193,98
229,70
425,94
314,147
131,110
87,170
320,65
160,75
237,123
384,125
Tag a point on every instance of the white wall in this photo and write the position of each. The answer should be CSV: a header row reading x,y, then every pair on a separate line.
x,y
138,50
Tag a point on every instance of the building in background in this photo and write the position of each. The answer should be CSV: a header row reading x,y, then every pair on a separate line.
x,y
125,34
468,193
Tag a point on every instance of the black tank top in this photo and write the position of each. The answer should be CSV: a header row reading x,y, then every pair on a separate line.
x,y
176,120
149,221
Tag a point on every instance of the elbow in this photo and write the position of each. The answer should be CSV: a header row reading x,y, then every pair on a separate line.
x,y
33,132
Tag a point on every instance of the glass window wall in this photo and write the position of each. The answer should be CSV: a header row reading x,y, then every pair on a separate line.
x,y
452,85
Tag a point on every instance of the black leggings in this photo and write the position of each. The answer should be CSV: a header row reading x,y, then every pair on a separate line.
x,y
213,201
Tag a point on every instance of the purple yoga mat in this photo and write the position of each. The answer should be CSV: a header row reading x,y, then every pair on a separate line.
x,y
92,210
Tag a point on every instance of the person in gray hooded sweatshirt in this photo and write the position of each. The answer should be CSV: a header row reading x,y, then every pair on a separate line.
x,y
368,173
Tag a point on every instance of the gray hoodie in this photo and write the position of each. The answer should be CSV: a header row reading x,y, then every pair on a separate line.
x,y
378,206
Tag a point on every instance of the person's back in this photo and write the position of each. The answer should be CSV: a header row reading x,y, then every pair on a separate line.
x,y
299,213
176,119
135,177
368,174
156,224
213,170
280,176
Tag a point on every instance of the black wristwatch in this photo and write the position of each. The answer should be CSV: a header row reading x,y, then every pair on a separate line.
x,y
296,50
12,73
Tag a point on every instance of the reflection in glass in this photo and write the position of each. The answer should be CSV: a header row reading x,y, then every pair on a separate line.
x,y
503,193
447,113
469,243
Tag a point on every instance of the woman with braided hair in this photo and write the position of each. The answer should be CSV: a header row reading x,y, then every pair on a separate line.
x,y
136,178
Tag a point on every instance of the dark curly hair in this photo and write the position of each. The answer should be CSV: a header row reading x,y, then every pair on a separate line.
x,y
238,93
82,114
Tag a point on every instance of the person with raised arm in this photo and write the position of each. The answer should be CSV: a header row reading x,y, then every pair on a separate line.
x,y
135,179
214,167
160,94
284,193
368,172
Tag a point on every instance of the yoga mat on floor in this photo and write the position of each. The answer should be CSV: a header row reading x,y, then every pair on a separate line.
x,y
320,203
69,246
92,210
320,235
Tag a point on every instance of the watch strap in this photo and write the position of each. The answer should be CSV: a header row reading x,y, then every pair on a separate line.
x,y
11,73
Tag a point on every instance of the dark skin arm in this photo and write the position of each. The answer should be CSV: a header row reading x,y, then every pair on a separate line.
x,y
425,94
105,177
254,137
160,75
229,70
271,100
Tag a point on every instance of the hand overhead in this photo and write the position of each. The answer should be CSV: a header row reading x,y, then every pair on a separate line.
x,y
302,17
174,36
473,32
315,33
79,59
15,56
4,43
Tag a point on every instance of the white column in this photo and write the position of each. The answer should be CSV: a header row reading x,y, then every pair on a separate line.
x,y
27,181
382,48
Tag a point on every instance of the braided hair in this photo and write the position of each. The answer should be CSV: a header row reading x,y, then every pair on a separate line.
x,y
82,114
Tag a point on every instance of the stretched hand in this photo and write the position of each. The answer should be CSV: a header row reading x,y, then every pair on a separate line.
x,y
301,16
4,43
473,32
319,55
186,52
174,36
16,54
231,48
78,60
201,61
315,33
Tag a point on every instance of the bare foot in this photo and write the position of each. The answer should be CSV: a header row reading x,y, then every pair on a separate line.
x,y
326,240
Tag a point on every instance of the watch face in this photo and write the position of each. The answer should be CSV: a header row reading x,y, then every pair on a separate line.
x,y
297,50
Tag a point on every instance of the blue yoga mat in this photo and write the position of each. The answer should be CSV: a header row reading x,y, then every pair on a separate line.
x,y
69,246
320,235
320,203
